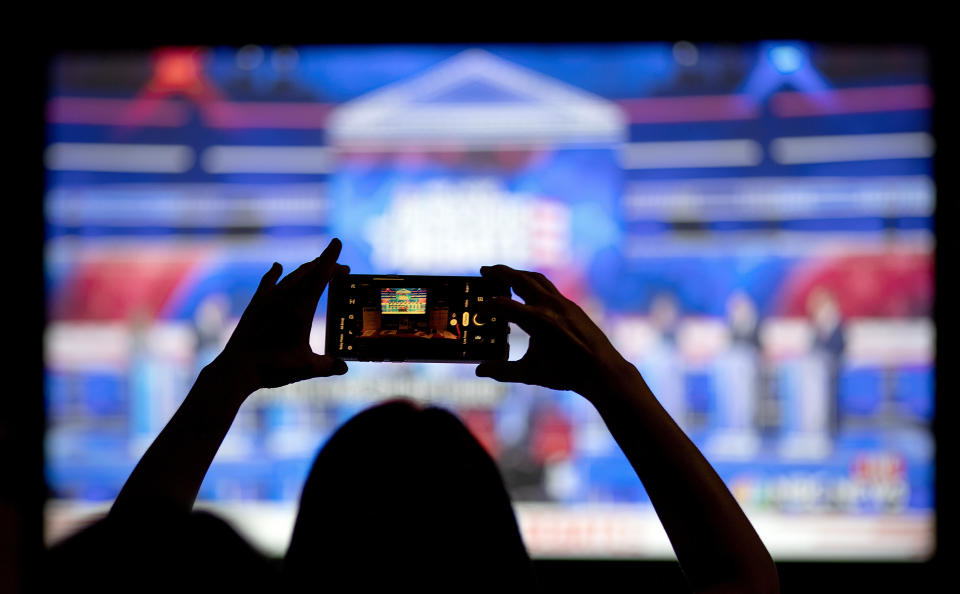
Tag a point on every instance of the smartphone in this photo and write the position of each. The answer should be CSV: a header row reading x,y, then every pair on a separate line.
x,y
414,318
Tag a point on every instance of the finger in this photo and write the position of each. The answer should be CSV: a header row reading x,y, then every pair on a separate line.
x,y
326,266
522,282
520,314
503,371
325,366
327,258
544,282
269,280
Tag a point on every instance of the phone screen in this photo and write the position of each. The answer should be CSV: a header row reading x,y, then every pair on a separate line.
x,y
414,318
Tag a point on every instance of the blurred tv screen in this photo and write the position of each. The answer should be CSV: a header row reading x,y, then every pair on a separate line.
x,y
750,223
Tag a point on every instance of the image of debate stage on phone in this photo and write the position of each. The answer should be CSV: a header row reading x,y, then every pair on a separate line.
x,y
403,313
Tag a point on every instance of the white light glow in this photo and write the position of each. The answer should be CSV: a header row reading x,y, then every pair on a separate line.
x,y
424,228
685,53
691,154
853,147
266,159
120,158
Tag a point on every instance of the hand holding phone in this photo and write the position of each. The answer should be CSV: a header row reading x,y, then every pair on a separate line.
x,y
270,346
567,350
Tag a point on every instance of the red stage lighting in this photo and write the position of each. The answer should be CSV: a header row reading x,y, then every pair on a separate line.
x,y
177,70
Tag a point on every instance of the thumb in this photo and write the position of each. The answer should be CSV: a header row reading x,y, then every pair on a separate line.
x,y
270,278
503,371
325,366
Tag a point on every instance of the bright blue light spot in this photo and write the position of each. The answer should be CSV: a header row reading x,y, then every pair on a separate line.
x,y
787,59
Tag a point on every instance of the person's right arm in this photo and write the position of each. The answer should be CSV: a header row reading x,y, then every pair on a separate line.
x,y
716,546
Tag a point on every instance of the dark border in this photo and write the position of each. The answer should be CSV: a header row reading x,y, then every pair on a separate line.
x,y
22,419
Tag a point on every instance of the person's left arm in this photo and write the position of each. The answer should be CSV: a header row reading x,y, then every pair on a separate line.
x,y
270,347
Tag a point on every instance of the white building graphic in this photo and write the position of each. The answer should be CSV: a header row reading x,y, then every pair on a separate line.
x,y
476,99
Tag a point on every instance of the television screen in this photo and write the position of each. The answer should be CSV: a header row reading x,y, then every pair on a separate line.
x,y
750,223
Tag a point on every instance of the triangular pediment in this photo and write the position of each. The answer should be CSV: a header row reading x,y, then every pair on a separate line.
x,y
475,99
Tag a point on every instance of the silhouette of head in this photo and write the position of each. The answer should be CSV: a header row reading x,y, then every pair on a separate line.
x,y
406,495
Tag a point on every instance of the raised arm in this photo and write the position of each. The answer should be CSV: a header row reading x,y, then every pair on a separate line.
x,y
716,546
269,348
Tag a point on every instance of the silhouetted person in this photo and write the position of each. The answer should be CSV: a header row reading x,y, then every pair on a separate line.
x,y
404,495
401,497
737,374
661,364
828,346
